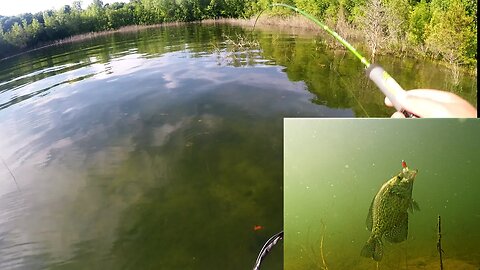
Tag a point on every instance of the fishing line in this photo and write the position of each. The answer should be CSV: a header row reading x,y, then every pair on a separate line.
x,y
13,176
345,86
374,72
353,94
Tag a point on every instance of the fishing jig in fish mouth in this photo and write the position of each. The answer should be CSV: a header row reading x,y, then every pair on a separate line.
x,y
388,217
374,72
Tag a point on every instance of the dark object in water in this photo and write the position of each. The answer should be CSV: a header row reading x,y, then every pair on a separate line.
x,y
439,242
267,248
388,215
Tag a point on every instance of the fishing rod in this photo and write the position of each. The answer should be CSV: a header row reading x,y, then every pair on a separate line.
x,y
374,72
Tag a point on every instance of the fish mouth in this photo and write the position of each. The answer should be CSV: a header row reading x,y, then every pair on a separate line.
x,y
413,173
409,175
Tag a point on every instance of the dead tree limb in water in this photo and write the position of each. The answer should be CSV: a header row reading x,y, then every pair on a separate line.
x,y
439,242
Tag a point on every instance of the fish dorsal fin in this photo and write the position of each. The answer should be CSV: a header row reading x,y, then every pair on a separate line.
x,y
369,220
399,232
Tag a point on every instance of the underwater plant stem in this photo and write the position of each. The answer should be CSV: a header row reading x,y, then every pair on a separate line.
x,y
321,249
439,242
321,254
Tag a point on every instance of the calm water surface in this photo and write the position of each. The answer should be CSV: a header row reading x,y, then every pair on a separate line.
x,y
162,149
334,168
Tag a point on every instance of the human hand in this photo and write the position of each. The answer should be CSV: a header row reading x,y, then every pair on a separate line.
x,y
434,103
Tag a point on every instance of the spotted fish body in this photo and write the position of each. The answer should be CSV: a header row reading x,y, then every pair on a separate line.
x,y
388,216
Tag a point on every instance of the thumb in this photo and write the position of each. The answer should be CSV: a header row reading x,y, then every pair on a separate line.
x,y
388,102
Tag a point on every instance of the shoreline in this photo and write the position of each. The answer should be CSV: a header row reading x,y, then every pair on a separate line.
x,y
298,24
91,35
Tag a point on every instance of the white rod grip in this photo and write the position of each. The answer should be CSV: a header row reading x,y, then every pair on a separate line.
x,y
387,84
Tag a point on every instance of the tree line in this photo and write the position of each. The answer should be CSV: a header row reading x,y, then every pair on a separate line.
x,y
439,29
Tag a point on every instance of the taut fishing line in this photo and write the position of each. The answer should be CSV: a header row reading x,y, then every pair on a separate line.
x,y
377,74
13,176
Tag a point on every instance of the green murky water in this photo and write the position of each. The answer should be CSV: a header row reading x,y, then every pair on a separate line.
x,y
333,169
163,148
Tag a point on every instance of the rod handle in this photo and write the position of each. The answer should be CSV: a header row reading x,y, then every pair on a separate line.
x,y
389,87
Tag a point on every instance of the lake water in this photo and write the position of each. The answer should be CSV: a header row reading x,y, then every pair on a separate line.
x,y
163,148
334,168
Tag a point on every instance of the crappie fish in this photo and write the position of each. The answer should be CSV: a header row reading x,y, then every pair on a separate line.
x,y
388,215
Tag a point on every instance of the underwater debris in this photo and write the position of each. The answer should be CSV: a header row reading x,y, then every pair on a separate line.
x,y
439,242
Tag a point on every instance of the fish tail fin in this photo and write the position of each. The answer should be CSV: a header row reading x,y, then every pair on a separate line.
x,y
373,248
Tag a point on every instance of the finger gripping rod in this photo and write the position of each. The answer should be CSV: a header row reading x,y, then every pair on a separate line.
x,y
389,87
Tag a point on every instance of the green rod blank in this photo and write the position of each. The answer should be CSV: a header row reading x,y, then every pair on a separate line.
x,y
330,31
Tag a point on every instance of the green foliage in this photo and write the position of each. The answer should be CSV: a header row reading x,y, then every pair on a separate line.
x,y
331,12
119,15
33,30
450,32
187,11
96,15
17,36
397,13
234,8
420,17
315,7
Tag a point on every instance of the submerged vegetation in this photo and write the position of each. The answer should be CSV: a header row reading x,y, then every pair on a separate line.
x,y
443,30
